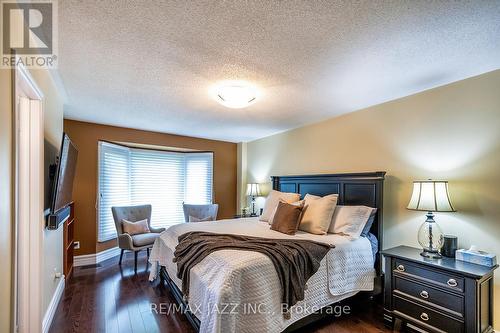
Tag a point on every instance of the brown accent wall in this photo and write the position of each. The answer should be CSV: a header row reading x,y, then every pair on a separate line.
x,y
86,136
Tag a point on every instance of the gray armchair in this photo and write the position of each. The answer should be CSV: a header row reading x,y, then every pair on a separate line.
x,y
200,211
138,242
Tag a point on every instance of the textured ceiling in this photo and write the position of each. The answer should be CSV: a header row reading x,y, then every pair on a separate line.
x,y
150,65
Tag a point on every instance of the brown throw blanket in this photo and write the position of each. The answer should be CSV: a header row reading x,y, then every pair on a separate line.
x,y
295,260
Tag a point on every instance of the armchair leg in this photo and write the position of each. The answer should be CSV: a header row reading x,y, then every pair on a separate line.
x,y
121,256
135,260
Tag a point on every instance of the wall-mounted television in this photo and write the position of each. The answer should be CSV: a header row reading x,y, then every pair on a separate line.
x,y
62,176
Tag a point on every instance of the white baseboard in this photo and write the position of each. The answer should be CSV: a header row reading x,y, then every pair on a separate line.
x,y
95,258
54,302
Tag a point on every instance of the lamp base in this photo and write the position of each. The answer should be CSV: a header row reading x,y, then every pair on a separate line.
x,y
253,213
430,255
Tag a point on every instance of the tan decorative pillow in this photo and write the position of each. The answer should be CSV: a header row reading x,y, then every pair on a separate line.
x,y
272,201
135,228
196,219
287,218
318,213
300,203
350,220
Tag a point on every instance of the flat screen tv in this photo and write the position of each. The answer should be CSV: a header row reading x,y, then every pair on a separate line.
x,y
62,180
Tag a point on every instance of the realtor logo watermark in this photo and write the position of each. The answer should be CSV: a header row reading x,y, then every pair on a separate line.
x,y
247,309
29,34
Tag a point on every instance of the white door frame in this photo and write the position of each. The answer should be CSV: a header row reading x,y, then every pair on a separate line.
x,y
28,197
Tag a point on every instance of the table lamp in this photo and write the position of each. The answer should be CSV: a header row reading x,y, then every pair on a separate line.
x,y
253,190
430,196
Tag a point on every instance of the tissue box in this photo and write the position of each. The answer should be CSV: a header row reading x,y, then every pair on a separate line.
x,y
476,257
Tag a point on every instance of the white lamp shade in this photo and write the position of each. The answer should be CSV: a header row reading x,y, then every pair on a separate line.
x,y
253,190
431,196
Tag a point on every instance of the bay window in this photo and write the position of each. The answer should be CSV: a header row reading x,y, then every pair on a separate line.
x,y
164,179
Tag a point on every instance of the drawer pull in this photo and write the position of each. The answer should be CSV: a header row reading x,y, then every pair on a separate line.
x,y
452,282
424,316
401,268
424,294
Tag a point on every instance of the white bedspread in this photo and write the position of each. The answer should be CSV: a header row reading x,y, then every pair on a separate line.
x,y
239,291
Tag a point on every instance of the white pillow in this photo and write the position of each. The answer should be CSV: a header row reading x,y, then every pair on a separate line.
x,y
350,220
318,213
272,201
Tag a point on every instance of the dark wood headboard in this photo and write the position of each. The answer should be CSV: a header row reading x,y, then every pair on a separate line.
x,y
353,189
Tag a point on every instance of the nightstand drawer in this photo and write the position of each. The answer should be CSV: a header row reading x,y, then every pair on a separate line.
x,y
444,279
427,318
443,295
450,302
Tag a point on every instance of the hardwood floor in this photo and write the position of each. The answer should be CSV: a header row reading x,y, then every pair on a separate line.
x,y
108,298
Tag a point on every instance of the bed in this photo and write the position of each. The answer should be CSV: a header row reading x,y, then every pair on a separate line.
x,y
239,291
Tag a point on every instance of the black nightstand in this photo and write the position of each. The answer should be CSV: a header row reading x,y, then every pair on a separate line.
x,y
437,295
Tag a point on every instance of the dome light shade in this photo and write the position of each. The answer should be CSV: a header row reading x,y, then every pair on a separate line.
x,y
236,94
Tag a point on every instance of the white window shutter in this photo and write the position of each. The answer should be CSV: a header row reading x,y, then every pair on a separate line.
x,y
163,179
114,183
199,178
158,179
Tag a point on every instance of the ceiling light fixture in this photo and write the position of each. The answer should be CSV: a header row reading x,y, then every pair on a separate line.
x,y
235,94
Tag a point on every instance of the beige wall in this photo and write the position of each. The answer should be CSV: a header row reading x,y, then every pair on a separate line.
x,y
451,132
53,129
5,200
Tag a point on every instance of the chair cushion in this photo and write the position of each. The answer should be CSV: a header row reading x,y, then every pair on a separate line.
x,y
135,228
144,239
196,219
200,212
130,213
